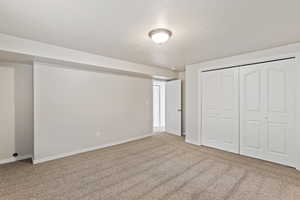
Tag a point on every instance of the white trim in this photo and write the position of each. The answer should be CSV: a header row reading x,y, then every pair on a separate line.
x,y
248,61
192,142
49,158
162,87
13,159
298,111
158,129
173,132
35,110
14,64
159,106
200,96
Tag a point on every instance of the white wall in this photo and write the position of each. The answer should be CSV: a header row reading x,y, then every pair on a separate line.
x,y
24,110
16,111
76,110
191,108
7,113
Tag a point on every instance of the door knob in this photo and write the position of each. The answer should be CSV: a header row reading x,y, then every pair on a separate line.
x,y
179,110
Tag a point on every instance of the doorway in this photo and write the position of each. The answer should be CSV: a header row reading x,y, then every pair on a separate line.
x,y
159,93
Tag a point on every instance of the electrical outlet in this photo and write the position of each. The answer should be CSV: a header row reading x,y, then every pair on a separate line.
x,y
98,133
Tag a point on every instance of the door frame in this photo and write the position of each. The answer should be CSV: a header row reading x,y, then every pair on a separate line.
x,y
244,62
159,105
235,111
162,93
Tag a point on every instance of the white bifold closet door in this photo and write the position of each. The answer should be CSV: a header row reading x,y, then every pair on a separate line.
x,y
267,111
220,109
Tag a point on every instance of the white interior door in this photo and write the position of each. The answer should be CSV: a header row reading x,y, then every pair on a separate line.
x,y
268,111
252,111
173,107
220,109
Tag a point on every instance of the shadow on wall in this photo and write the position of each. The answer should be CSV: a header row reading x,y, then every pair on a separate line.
x,y
16,111
181,76
24,110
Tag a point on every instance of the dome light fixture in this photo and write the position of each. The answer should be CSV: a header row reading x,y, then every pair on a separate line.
x,y
160,35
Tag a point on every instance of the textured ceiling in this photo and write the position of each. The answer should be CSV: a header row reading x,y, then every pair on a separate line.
x,y
202,29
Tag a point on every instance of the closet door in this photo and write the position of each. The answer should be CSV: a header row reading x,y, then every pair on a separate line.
x,y
252,114
280,97
268,112
220,118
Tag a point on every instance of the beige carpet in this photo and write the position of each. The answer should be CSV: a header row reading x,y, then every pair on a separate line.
x,y
159,167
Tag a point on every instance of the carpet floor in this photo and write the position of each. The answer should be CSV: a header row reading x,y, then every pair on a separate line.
x,y
158,167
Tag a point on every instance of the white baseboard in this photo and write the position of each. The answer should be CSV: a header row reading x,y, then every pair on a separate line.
x,y
49,158
173,131
13,159
191,142
158,129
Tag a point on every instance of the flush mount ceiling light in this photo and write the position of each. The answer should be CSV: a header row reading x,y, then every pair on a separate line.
x,y
160,35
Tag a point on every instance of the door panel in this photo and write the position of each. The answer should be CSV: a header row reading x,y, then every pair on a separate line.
x,y
212,129
227,136
229,110
211,108
173,107
280,112
252,137
277,138
251,111
276,90
267,104
220,109
252,89
228,90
